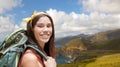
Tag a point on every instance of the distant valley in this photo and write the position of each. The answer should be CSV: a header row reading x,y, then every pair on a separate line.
x,y
82,47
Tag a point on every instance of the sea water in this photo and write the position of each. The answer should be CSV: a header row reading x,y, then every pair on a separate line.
x,y
62,60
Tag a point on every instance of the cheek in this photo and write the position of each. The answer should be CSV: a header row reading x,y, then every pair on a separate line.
x,y
36,32
51,31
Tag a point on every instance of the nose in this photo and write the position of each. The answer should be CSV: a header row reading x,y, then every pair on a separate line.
x,y
45,29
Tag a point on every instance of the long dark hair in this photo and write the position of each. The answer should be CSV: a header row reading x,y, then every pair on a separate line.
x,y
49,47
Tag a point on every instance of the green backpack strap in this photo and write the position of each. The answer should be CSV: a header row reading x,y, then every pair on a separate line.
x,y
35,47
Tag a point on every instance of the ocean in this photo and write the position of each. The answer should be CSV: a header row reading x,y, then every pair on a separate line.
x,y
62,60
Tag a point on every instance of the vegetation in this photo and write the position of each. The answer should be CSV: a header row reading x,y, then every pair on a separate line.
x,y
106,61
98,50
103,61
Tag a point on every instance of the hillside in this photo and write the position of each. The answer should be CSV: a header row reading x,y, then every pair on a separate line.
x,y
99,44
62,41
103,61
100,41
72,48
104,40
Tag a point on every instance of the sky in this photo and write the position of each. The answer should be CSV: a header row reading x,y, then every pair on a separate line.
x,y
71,17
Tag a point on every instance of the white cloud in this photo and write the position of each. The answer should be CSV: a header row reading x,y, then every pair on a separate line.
x,y
6,21
103,15
107,6
73,23
6,24
8,5
23,25
2,36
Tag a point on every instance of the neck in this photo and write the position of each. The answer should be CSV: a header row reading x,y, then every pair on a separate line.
x,y
41,45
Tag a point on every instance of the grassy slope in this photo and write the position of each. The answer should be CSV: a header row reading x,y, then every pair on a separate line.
x,y
106,61
103,61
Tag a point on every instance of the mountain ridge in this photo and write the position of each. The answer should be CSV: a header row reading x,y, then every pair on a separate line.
x,y
98,44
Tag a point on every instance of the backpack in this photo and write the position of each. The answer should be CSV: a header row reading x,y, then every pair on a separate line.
x,y
13,47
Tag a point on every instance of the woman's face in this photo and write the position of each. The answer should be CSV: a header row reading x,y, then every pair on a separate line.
x,y
43,30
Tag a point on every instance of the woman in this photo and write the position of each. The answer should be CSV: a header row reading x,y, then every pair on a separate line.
x,y
40,31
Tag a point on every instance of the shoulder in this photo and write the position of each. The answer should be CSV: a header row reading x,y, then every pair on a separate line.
x,y
29,59
29,55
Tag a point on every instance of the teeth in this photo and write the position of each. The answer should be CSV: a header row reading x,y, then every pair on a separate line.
x,y
45,36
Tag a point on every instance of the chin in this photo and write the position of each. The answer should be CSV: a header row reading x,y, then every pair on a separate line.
x,y
45,41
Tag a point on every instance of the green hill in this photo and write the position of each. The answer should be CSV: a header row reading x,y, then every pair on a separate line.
x,y
75,44
106,61
89,48
107,40
103,61
104,40
71,48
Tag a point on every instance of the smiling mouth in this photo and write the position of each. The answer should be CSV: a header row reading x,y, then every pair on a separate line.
x,y
45,36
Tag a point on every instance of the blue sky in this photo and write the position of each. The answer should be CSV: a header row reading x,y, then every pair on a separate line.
x,y
27,7
71,17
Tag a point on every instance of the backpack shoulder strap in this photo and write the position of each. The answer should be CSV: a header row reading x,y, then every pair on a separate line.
x,y
38,51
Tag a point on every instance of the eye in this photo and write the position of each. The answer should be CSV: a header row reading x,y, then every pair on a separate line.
x,y
40,25
49,25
